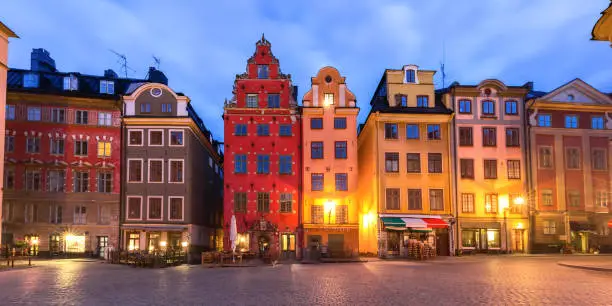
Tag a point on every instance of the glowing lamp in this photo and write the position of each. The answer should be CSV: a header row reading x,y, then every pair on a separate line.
x,y
34,241
519,200
184,244
163,244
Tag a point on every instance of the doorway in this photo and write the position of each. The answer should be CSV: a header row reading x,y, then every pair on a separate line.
x,y
442,242
102,245
336,245
314,246
288,245
519,240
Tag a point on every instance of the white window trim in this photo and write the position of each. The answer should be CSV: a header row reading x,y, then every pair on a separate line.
x,y
183,207
141,170
149,170
76,112
593,150
142,138
105,113
98,149
162,138
162,207
127,208
552,157
170,172
170,137
567,158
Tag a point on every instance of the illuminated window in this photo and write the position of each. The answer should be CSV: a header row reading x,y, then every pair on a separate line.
x,y
104,149
514,169
329,99
550,227
467,202
491,203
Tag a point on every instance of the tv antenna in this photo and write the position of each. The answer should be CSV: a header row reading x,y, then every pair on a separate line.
x,y
122,60
157,61
442,63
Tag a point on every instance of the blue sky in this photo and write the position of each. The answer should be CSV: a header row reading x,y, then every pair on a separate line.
x,y
204,44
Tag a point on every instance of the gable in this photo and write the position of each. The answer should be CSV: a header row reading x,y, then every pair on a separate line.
x,y
579,92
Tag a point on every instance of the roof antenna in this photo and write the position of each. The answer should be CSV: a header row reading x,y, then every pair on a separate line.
x,y
122,60
442,64
157,61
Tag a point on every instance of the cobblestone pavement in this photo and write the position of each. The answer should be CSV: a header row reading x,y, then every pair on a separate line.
x,y
474,280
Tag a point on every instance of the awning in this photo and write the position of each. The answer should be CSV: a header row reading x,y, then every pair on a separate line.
x,y
581,226
414,223
435,223
393,222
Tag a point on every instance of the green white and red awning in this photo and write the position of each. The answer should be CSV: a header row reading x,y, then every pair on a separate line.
x,y
415,224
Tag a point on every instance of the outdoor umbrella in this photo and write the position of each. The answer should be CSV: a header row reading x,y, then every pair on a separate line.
x,y
233,235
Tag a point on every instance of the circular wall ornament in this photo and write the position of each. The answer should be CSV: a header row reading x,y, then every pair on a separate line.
x,y
328,79
156,92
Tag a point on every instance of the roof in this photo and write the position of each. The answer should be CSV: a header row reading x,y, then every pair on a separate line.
x,y
381,104
7,30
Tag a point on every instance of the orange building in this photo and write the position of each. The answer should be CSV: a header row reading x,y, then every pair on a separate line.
x,y
329,127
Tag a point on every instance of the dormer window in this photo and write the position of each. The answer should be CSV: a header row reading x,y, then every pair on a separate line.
x,y
107,87
410,76
262,71
30,80
71,82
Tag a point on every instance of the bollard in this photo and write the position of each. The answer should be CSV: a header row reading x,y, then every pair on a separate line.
x,y
29,261
13,263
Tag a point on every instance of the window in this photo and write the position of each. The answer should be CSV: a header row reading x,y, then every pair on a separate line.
x,y
467,168
107,87
415,199
30,80
10,112
597,123
340,149
547,197
316,123
81,181
572,158
601,198
176,138
391,162
403,100
81,117
105,182
252,100
273,100
240,163
166,108
134,170
285,164
58,115
328,99
240,202
489,137
134,208
340,123
176,173
550,227
422,101
33,144
104,149
156,138
412,131
33,180
156,171
105,119
465,137
9,144
571,121
55,214
467,202
176,208
33,113
391,131
56,180
490,168
135,138
545,159
512,137
145,108
341,214
316,150
488,108
410,76
465,106
514,169
263,164
71,82
80,214
263,202
286,202
491,203
341,182
392,199
573,198
285,130
599,159
545,120
262,71
240,130
436,200
154,208
433,132
80,148
317,214
511,108
316,181
413,162
263,130
31,213
434,162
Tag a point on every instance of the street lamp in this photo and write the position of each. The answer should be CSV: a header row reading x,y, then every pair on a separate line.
x,y
329,207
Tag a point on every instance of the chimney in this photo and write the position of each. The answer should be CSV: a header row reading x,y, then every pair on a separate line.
x,y
529,86
156,76
111,74
295,93
40,60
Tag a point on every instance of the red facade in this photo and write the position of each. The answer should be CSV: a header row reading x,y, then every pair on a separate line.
x,y
262,157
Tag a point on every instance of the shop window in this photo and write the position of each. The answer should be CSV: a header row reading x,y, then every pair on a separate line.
x,y
550,227
288,242
74,244
133,241
493,239
470,238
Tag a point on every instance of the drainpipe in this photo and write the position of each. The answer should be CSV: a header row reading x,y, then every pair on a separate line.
x,y
377,171
529,187
453,174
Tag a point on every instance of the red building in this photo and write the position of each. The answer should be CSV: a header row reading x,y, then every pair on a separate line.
x,y
262,157
570,140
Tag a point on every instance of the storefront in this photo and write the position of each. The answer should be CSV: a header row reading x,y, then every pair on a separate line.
x,y
155,239
416,237
334,241
580,234
481,237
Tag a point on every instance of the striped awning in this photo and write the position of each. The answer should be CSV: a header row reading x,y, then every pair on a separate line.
x,y
415,223
393,222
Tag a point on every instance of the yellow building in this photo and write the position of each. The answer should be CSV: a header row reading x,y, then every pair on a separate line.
x,y
329,144
404,167
603,28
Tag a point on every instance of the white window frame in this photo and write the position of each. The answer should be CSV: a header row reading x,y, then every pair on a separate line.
x,y
127,208
246,102
161,208
552,157
10,110
170,206
170,137
162,138
149,170
71,82
76,115
142,139
105,120
602,197
34,109
170,170
58,110
141,170
107,87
